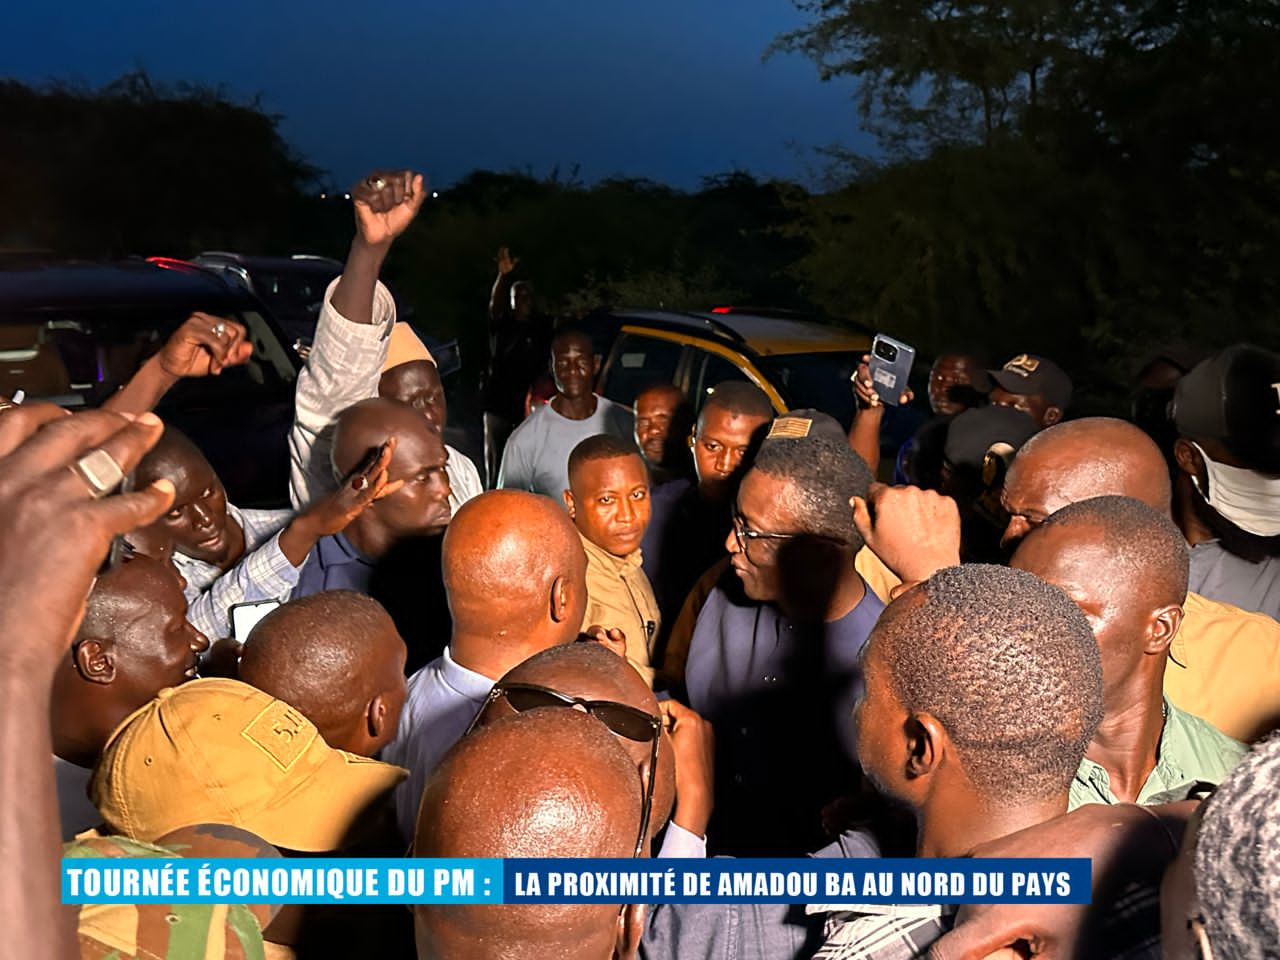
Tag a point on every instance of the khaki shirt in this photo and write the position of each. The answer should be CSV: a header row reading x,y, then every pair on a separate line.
x,y
1224,666
619,595
1190,752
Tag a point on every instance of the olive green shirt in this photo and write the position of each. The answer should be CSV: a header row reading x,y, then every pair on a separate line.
x,y
1191,751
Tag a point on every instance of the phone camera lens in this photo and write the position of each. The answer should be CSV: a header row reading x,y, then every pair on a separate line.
x,y
886,351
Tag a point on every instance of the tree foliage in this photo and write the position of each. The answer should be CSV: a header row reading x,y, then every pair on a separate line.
x,y
1082,178
136,168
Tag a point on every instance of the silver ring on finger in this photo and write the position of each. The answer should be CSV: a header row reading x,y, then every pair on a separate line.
x,y
377,183
99,471
219,328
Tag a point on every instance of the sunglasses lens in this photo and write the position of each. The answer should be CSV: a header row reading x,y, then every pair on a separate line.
x,y
522,700
625,722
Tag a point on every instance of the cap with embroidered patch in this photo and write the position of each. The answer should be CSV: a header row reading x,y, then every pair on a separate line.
x,y
1234,396
1028,373
221,751
798,424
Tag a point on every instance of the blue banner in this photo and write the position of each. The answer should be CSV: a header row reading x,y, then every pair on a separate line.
x,y
719,880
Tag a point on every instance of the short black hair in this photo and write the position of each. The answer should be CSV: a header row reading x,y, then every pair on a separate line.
x,y
602,446
824,476
571,332
741,399
1143,541
1237,859
1008,665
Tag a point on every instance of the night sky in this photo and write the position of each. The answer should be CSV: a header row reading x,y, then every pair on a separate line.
x,y
666,89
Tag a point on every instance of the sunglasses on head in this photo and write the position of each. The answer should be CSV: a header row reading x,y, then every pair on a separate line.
x,y
621,719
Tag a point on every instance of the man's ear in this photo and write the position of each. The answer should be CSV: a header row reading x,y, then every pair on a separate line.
x,y
560,599
924,745
95,661
1162,628
630,929
595,367
1187,457
376,716
569,504
1052,415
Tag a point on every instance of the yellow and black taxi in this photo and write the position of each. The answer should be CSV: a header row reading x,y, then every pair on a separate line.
x,y
798,363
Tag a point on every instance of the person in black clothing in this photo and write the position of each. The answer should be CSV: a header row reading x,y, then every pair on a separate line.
x,y
519,344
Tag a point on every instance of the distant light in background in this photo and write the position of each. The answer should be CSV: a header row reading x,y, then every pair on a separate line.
x,y
435,194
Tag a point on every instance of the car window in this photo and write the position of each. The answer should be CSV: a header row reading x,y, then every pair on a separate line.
x,y
638,362
79,357
714,370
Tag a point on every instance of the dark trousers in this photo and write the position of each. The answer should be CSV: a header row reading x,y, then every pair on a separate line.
x,y
496,430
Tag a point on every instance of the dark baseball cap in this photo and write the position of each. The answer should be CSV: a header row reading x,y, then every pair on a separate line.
x,y
1028,373
1234,397
973,433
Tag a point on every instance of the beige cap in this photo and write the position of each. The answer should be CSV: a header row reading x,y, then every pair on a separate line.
x,y
221,751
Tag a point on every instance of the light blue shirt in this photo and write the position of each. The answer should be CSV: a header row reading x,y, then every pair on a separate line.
x,y
537,454
1224,577
444,697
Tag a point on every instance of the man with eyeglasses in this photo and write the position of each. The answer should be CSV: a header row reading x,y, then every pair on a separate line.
x,y
773,662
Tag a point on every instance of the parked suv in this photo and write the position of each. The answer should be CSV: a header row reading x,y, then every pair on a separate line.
x,y
292,287
72,333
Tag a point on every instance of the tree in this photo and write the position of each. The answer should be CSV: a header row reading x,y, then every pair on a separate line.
x,y
134,168
1081,178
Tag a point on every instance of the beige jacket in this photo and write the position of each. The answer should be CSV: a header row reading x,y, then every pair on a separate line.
x,y
619,595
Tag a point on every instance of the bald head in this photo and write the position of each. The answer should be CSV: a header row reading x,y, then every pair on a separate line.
x,y
568,790
173,453
365,426
589,671
1079,460
421,504
515,573
1126,567
133,642
337,657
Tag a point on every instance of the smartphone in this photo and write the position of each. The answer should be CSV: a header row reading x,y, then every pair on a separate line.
x,y
891,363
245,616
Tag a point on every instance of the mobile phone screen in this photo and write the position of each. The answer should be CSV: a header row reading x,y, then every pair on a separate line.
x,y
245,616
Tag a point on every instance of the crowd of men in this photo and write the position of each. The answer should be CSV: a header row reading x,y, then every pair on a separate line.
x,y
675,632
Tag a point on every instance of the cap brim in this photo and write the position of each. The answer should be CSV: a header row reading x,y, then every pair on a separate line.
x,y
1011,381
319,814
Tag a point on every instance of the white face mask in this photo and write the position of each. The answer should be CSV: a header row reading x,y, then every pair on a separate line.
x,y
1249,499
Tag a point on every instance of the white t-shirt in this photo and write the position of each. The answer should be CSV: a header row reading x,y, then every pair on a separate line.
x,y
537,454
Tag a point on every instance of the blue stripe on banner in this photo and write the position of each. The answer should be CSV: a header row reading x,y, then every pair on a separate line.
x,y
860,881
311,880
720,880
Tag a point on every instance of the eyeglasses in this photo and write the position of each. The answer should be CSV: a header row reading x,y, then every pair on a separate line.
x,y
621,719
745,536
